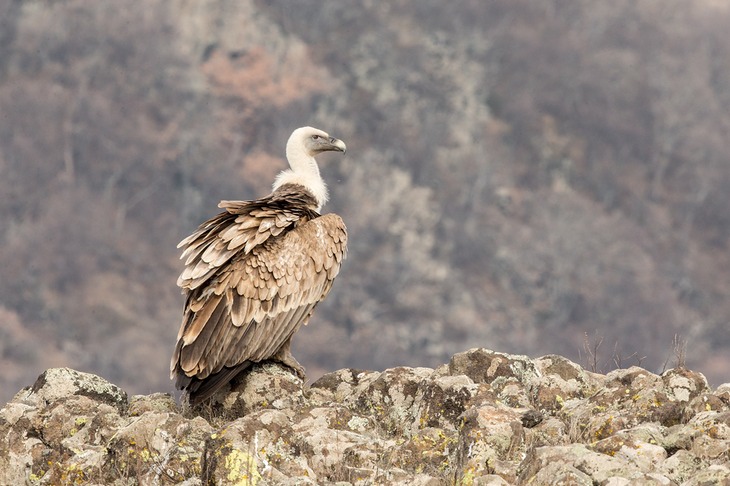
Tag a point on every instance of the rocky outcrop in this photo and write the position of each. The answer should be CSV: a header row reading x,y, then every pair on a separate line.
x,y
484,418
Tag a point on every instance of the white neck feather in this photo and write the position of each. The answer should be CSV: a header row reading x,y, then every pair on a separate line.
x,y
305,172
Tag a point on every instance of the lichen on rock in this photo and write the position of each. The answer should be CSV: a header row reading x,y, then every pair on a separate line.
x,y
485,418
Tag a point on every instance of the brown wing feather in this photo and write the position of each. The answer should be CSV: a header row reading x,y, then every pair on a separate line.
x,y
251,286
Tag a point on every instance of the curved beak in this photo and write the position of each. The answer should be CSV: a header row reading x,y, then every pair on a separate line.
x,y
337,145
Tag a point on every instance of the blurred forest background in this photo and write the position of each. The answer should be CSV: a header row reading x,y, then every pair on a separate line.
x,y
519,175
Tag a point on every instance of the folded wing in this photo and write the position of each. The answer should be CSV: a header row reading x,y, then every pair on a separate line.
x,y
253,276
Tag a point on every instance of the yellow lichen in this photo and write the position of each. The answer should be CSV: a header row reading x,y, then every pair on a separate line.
x,y
145,454
241,467
36,478
467,479
73,474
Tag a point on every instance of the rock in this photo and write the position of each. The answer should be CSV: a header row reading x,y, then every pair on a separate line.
x,y
264,386
680,467
683,384
714,474
431,449
558,474
561,380
490,480
598,466
723,393
442,401
57,384
492,438
486,366
485,418
157,402
391,398
646,457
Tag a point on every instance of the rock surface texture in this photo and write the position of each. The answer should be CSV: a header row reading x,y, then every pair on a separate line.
x,y
485,418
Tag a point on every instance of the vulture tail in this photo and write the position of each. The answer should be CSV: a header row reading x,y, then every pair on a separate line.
x,y
200,390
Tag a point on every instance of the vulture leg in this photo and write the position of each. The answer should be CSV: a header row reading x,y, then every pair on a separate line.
x,y
284,356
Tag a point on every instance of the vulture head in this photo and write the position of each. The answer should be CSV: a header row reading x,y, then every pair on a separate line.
x,y
314,141
303,145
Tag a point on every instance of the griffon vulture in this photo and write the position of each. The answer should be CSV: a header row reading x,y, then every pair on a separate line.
x,y
255,272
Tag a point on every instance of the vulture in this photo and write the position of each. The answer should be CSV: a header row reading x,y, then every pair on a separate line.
x,y
255,272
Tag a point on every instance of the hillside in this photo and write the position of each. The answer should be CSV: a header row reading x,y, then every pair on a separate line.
x,y
484,418
534,177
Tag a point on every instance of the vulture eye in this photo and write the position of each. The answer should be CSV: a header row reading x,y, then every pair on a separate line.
x,y
315,137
